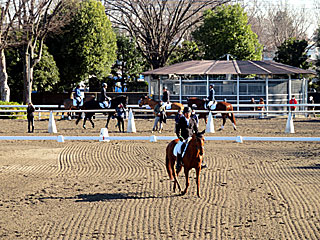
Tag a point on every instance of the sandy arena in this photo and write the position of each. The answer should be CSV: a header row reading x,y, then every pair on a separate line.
x,y
120,190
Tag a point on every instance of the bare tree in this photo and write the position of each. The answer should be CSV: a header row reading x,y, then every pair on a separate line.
x,y
10,10
158,25
38,18
275,23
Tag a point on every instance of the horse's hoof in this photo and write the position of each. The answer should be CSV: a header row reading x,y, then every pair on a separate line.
x,y
84,126
92,125
220,129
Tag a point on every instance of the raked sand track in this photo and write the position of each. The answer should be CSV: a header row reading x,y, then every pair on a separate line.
x,y
120,189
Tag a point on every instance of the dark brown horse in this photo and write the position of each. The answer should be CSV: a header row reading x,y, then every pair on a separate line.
x,y
221,106
152,103
192,159
68,104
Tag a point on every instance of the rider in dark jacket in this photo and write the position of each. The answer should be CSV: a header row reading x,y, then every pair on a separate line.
x,y
103,96
185,129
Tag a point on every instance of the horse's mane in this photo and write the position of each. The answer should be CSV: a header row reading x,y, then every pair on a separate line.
x,y
200,134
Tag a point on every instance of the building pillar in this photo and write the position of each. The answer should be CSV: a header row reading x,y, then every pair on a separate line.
x,y
180,89
289,90
267,94
238,92
207,85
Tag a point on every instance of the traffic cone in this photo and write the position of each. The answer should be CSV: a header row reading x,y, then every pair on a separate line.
x,y
210,126
289,126
52,128
131,125
104,134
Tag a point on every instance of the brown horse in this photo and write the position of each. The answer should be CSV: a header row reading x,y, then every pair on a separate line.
x,y
192,159
221,106
152,103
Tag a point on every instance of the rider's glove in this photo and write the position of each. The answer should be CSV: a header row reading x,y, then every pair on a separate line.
x,y
181,139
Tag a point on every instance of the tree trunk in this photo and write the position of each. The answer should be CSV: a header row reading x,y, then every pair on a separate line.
x,y
27,79
4,88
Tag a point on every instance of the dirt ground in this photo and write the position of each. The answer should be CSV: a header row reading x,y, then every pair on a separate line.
x,y
120,189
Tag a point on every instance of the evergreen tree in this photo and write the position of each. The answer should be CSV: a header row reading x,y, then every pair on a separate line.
x,y
226,31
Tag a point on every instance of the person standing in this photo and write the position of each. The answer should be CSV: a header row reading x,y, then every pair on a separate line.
x,y
293,100
30,117
157,112
311,108
120,114
118,87
77,95
253,102
104,99
261,108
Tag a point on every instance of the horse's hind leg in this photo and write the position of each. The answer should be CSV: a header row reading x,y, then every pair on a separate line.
x,y
223,121
92,123
232,119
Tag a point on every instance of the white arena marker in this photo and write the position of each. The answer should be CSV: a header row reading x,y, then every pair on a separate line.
x,y
289,126
104,135
153,138
239,139
52,128
131,125
210,126
60,138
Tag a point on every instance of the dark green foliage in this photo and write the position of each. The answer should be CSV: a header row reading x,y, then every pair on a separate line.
x,y
46,73
293,52
226,31
130,62
86,48
187,51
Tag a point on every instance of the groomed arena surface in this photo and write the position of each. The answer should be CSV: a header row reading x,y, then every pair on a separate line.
x,y
120,189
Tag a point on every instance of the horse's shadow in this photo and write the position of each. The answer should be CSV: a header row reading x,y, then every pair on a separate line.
x,y
315,166
98,197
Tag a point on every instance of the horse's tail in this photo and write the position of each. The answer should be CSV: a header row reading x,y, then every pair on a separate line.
x,y
169,167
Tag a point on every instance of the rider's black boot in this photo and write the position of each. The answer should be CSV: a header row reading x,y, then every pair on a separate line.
x,y
179,163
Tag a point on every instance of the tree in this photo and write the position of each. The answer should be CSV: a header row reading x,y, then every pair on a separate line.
x,y
10,11
157,26
46,73
130,62
293,52
274,22
226,31
38,18
188,50
87,46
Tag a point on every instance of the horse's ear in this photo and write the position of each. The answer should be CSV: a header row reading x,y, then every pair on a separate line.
x,y
203,132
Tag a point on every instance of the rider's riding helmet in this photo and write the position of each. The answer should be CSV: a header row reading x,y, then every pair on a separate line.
x,y
187,110
104,85
212,85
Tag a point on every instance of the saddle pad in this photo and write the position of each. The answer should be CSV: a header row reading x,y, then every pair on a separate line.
x,y
213,106
74,102
177,148
168,107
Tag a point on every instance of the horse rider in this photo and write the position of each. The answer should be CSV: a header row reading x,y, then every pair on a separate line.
x,y
184,131
104,99
166,97
211,97
77,95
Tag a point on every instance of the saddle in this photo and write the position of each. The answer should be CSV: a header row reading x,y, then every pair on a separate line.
x,y
74,102
105,104
181,147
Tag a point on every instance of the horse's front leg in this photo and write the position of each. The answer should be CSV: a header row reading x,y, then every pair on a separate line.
x,y
78,119
186,172
176,182
84,121
198,180
108,120
223,121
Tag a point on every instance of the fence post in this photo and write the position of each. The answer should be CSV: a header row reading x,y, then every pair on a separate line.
x,y
52,128
289,126
131,125
210,126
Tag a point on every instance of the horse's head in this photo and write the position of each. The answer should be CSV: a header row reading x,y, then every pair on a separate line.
x,y
199,142
143,101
